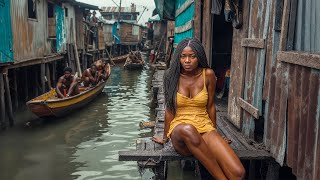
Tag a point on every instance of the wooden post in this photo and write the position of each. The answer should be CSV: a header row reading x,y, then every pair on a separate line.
x,y
15,88
273,171
69,55
252,170
36,81
83,59
26,92
72,57
42,77
75,49
48,75
8,99
2,103
54,79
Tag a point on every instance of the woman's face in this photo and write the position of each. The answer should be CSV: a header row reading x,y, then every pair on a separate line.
x,y
188,59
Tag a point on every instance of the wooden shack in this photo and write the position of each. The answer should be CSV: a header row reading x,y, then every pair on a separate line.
x,y
274,62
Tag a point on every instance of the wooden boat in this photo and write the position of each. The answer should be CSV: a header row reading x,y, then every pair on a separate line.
x,y
49,105
134,64
120,59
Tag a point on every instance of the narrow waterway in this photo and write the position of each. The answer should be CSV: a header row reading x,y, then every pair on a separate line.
x,y
85,144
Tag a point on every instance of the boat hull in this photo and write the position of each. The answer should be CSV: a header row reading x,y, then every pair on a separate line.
x,y
61,107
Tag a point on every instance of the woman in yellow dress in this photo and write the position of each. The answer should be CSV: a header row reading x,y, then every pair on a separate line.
x,y
190,114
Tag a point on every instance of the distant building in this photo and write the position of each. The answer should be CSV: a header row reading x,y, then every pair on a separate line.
x,y
127,14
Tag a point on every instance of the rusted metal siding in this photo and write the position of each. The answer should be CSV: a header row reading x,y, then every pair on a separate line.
x,y
304,96
29,36
5,32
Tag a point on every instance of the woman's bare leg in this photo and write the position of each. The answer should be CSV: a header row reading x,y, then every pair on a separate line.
x,y
225,156
186,140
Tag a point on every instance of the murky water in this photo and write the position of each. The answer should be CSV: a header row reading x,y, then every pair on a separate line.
x,y
85,144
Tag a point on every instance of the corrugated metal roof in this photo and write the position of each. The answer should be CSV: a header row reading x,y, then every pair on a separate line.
x,y
116,9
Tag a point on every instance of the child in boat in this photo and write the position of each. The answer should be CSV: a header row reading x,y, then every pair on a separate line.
x,y
67,84
190,113
90,76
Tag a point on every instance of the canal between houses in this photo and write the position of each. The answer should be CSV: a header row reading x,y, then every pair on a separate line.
x,y
85,144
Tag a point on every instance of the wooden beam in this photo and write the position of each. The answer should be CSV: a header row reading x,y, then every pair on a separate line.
x,y
300,58
253,43
161,155
248,107
183,7
8,99
187,26
15,88
35,61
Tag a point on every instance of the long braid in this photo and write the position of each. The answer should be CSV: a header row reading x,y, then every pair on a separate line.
x,y
172,74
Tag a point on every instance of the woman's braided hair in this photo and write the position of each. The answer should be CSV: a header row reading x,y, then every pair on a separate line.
x,y
172,74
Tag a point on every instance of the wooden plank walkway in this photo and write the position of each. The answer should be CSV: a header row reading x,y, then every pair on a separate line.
x,y
150,154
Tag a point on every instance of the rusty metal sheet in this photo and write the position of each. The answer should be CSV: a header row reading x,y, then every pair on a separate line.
x,y
29,35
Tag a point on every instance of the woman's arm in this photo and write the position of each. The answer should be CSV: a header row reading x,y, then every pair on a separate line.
x,y
168,117
211,86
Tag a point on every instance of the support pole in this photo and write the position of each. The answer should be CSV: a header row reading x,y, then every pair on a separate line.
x,y
15,88
8,99
42,77
48,75
2,104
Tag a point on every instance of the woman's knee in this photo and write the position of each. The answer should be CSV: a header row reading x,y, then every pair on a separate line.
x,y
239,172
189,134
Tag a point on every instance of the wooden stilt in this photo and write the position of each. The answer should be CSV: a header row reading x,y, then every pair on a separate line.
x,y
15,88
42,77
273,171
48,75
2,104
72,58
84,62
252,170
69,55
26,92
8,99
36,81
54,75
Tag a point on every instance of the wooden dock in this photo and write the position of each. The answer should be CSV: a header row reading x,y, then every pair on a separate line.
x,y
153,155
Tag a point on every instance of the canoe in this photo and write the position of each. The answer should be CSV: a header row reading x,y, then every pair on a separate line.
x,y
120,59
129,64
49,105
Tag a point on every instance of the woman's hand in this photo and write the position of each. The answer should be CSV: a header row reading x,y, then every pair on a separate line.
x,y
158,139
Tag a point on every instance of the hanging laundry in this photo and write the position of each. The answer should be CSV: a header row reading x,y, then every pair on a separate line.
x,y
233,12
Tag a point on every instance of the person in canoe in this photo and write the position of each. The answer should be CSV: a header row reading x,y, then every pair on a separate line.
x,y
90,76
67,84
190,113
103,70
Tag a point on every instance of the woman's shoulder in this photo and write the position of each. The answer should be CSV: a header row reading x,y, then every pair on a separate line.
x,y
209,72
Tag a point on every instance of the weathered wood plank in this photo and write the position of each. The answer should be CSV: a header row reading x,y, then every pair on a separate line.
x,y
197,22
161,155
300,58
183,7
248,107
253,43
187,26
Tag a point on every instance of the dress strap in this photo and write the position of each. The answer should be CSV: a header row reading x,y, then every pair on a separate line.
x,y
204,76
